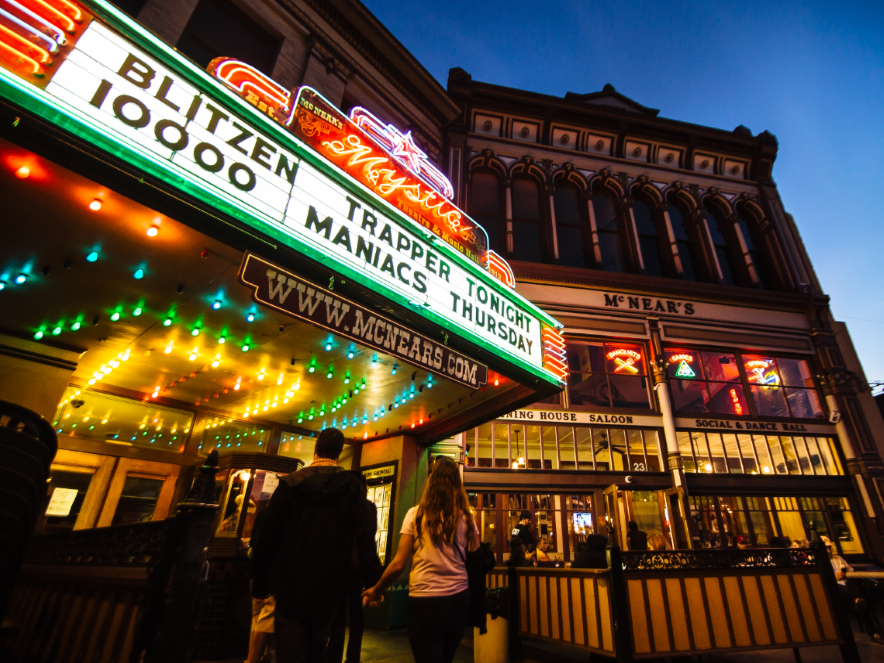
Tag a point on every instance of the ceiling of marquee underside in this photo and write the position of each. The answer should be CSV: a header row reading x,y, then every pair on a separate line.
x,y
49,224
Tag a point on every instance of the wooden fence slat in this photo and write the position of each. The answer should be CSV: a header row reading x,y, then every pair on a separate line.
x,y
734,609
830,631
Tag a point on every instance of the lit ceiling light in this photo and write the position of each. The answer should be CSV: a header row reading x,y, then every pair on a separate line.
x,y
21,278
92,257
708,467
222,340
75,326
115,316
374,361
245,347
95,205
152,231
217,304
23,172
38,335
328,346
167,322
2,285
250,317
56,331
137,311
139,274
195,331
168,349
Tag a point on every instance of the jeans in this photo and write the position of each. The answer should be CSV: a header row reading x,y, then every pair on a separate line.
x,y
351,607
436,625
299,640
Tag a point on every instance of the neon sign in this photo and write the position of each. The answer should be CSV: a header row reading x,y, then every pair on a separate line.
x,y
37,35
554,358
756,372
681,357
738,407
378,155
625,360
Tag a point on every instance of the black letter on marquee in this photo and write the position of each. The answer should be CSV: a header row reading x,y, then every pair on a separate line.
x,y
313,221
141,73
121,102
290,169
245,134
231,175
198,157
100,94
182,141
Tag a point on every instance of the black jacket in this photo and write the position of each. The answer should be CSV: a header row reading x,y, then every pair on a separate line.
x,y
303,550
594,554
637,539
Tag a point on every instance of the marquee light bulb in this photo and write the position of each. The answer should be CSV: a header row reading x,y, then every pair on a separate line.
x,y
168,349
217,304
195,331
23,172
95,205
167,322
115,316
245,347
395,368
38,335
374,361
75,326
222,340
152,231
139,274
2,285
21,278
328,346
250,317
137,311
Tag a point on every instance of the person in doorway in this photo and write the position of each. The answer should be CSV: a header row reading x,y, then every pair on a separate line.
x,y
594,554
304,550
437,533
635,538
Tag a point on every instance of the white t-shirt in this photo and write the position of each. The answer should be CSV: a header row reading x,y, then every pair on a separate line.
x,y
840,564
437,571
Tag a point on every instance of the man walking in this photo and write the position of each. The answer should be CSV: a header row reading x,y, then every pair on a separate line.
x,y
317,521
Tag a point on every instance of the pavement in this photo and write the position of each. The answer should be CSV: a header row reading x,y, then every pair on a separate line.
x,y
393,647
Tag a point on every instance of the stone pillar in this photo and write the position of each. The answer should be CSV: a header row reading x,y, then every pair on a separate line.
x,y
670,235
554,235
34,375
167,18
594,229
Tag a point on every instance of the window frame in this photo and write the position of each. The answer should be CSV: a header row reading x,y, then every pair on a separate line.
x,y
653,409
501,206
661,237
542,221
583,224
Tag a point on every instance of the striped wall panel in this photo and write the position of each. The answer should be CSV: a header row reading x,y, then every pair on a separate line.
x,y
497,578
689,613
570,607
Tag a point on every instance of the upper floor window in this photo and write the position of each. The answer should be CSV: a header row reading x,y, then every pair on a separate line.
x,y
607,374
611,239
755,245
575,244
485,207
655,249
726,251
684,241
527,221
220,28
711,381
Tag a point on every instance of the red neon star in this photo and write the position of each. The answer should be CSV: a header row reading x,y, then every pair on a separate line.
x,y
405,149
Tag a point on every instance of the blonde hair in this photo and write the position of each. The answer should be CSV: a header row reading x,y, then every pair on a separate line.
x,y
443,501
658,542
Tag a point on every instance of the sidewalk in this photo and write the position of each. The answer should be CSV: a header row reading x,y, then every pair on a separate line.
x,y
393,647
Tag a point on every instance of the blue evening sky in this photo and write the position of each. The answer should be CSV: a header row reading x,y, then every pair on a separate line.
x,y
811,73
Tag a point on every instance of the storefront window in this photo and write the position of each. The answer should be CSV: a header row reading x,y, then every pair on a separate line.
x,y
66,492
228,435
751,522
782,387
607,375
137,501
563,447
705,382
89,414
757,454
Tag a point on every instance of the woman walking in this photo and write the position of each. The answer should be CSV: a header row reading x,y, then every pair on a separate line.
x,y
437,533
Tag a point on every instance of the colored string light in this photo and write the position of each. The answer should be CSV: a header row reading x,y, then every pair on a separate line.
x,y
217,304
92,257
95,205
139,274
21,278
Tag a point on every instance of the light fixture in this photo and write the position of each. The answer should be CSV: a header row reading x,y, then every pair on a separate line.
x,y
92,257
75,326
21,278
328,346
351,353
245,347
2,285
39,334
23,172
374,361
139,274
222,340
167,322
217,304
168,349
95,205
152,231
395,368
195,331
115,316
708,467
250,317
137,311
56,331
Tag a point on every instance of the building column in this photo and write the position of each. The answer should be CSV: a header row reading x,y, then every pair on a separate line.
x,y
167,18
594,229
699,219
673,243
552,222
744,248
508,194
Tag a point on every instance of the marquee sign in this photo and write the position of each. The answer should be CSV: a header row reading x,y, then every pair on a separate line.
x,y
190,132
299,298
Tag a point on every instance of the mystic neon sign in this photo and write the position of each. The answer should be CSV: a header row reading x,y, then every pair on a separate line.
x,y
128,103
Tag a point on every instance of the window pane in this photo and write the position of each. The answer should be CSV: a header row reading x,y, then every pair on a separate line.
x,y
779,462
625,359
844,525
761,370
652,450
795,372
585,357
566,447
716,452
803,454
609,244
531,446
592,390
763,454
790,455
138,500
227,435
651,255
571,252
603,210
720,366
687,454
732,452
617,438
690,396
701,452
584,448
637,461
750,466
526,241
550,457
483,451
684,364
567,206
724,261
525,200
791,525
687,260
298,446
62,514
804,403
629,391
484,195
728,398
769,401
501,446
602,449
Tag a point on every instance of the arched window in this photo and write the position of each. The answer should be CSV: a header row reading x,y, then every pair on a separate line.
x,y
652,241
610,239
687,248
527,236
574,247
725,250
485,208
756,246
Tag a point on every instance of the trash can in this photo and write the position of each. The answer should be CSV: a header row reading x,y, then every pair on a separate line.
x,y
493,647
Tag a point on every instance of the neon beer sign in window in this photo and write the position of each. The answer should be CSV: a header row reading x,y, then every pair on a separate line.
x,y
761,371
684,362
625,360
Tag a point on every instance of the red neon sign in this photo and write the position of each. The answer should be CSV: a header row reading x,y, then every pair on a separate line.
x,y
682,357
37,35
625,359
554,359
738,407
